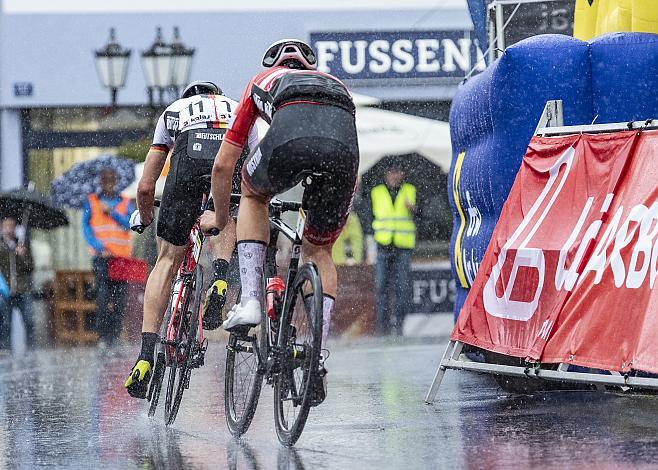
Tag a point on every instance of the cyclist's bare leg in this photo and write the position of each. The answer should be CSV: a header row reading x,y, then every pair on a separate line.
x,y
155,301
222,245
321,256
169,259
253,223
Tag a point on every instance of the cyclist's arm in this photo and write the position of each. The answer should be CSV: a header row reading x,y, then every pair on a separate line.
x,y
155,161
222,173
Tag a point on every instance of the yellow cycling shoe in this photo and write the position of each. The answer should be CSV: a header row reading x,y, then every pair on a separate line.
x,y
138,381
214,305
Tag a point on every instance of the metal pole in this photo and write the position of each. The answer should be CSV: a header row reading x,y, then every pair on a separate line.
x,y
452,352
500,30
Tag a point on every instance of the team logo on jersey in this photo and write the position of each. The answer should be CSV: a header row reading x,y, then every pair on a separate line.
x,y
172,123
208,136
197,147
253,162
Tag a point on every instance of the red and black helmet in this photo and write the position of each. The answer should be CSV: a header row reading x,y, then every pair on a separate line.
x,y
286,49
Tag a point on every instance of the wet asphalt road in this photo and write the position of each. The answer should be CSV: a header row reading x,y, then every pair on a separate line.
x,y
66,408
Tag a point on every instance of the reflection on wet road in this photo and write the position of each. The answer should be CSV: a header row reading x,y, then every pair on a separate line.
x,y
66,408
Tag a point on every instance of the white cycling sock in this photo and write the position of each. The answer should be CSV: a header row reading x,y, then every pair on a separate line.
x,y
327,310
251,254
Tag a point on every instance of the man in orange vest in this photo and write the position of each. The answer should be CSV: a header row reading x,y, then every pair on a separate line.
x,y
106,228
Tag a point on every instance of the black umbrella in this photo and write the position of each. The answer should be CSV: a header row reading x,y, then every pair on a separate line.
x,y
31,208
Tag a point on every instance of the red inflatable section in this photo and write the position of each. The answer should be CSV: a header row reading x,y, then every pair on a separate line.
x,y
570,269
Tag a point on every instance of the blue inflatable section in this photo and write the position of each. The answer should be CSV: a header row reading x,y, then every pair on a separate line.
x,y
493,116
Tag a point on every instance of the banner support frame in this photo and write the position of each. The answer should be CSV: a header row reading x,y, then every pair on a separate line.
x,y
550,124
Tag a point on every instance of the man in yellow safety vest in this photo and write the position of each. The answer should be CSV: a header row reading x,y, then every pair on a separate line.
x,y
393,207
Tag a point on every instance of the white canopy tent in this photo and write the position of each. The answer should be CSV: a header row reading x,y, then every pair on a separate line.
x,y
384,133
380,133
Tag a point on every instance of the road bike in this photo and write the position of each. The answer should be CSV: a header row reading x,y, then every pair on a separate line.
x,y
284,350
182,346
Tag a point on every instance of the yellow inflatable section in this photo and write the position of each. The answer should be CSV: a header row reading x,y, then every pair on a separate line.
x,y
596,17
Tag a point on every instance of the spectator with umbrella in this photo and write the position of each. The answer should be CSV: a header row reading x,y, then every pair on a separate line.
x,y
32,210
16,264
94,186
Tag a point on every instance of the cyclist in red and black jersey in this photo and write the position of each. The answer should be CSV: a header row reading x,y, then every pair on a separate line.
x,y
312,130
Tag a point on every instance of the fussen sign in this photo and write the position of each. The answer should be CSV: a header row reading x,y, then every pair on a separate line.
x,y
442,56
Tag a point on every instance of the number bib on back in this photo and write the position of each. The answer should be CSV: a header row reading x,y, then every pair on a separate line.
x,y
201,109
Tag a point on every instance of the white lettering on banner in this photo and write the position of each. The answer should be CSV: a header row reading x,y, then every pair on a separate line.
x,y
471,265
630,240
402,56
452,54
427,49
346,56
505,307
404,59
438,290
326,50
642,248
545,329
381,61
474,217
597,261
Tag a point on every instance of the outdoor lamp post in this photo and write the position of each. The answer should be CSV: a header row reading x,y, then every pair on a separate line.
x,y
157,64
112,65
182,62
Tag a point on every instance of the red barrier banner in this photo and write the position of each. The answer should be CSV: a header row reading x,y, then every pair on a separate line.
x,y
569,272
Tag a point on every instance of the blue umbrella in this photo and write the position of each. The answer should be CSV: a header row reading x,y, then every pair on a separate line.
x,y
72,188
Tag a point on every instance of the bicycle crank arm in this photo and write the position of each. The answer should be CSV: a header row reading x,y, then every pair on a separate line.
x,y
240,348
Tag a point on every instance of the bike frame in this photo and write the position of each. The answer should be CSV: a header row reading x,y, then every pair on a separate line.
x,y
278,226
184,277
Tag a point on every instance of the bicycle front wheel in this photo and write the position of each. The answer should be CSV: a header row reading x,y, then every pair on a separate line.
x,y
155,387
246,353
300,338
156,383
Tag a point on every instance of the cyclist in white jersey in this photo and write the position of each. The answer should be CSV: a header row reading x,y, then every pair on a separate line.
x,y
192,129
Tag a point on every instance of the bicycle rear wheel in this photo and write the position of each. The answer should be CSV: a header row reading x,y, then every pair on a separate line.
x,y
246,353
300,338
180,368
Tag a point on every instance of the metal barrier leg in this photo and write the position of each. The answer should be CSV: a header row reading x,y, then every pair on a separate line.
x,y
453,350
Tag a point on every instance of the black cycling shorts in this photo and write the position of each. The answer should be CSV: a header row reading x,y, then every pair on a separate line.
x,y
305,139
184,188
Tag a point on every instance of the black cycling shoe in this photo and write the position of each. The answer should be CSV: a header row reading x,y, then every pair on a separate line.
x,y
319,386
214,305
138,381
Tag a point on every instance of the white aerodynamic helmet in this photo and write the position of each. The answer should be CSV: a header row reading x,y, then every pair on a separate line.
x,y
285,49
